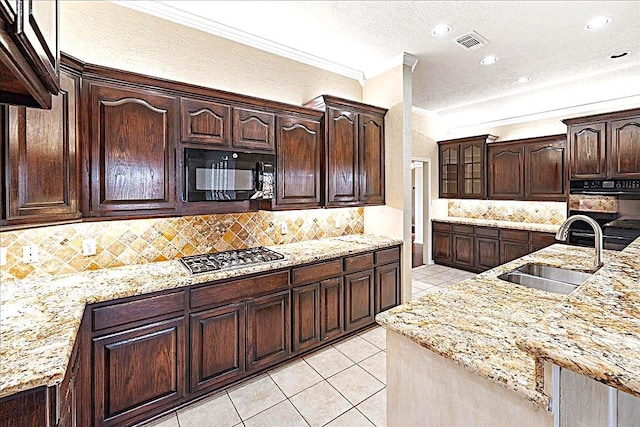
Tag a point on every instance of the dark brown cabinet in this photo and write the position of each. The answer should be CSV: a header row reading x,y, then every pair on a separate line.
x,y
506,171
138,370
604,146
442,252
299,168
217,346
205,122
539,240
463,245
253,130
462,167
387,289
131,151
487,248
354,151
306,316
268,335
331,308
30,55
42,161
513,244
359,299
30,408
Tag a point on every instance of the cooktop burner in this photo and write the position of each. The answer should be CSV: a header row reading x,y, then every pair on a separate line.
x,y
218,261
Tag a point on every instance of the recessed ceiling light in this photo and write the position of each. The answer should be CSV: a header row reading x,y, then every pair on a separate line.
x,y
488,60
598,22
523,80
441,30
621,54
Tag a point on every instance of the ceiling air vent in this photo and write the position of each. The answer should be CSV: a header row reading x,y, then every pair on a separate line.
x,y
471,41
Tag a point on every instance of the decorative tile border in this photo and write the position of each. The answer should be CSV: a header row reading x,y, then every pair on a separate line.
x,y
150,240
507,210
584,202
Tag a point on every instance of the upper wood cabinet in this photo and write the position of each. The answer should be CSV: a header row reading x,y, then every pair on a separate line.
x,y
253,130
42,161
462,167
131,151
354,151
205,122
29,52
604,146
506,171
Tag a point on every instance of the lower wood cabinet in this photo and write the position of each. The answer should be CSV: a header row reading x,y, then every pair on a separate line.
x,y
331,308
487,252
387,291
268,320
306,316
463,245
513,244
138,370
29,408
359,302
442,252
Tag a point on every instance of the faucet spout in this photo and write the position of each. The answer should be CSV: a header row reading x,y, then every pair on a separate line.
x,y
563,233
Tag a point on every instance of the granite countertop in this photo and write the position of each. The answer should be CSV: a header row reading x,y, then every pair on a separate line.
x,y
39,318
503,331
530,226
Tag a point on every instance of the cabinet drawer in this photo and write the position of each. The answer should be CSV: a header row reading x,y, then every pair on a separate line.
x,y
132,311
441,226
487,232
463,229
238,290
387,255
514,235
358,262
316,272
543,238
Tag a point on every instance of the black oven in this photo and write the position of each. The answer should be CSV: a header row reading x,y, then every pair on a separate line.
x,y
617,232
214,175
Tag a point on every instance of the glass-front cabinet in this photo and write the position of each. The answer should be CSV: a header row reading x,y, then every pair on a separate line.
x,y
449,171
462,167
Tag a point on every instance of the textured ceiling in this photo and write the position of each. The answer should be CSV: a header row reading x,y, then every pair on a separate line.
x,y
543,40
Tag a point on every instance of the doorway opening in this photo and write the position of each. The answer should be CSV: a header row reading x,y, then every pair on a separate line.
x,y
420,200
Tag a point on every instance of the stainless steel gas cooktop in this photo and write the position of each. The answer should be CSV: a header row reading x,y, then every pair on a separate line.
x,y
219,261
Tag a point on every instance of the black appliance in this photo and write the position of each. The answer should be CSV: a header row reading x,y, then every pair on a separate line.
x,y
213,175
617,232
609,187
217,261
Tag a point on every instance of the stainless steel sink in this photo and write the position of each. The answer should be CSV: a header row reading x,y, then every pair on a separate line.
x,y
546,278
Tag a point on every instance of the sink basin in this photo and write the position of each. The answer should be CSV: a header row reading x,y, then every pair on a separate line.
x,y
546,278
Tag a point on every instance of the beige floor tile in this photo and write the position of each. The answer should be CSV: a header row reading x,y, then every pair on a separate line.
x,y
284,414
255,396
217,411
351,418
355,384
417,285
375,408
376,336
320,404
376,365
295,377
328,362
356,348
168,421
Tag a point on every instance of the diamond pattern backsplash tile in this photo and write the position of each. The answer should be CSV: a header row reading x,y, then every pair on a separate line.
x,y
514,211
151,240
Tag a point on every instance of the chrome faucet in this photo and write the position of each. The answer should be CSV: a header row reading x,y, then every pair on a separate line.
x,y
563,232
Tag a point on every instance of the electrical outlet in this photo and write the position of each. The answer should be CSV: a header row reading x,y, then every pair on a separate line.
x,y
89,247
509,211
29,254
3,256
338,221
283,228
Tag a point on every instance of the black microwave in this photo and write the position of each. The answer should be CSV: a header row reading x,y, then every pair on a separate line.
x,y
218,176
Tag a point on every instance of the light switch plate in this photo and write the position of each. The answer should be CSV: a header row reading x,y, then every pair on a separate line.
x,y
338,221
29,254
3,256
89,247
283,228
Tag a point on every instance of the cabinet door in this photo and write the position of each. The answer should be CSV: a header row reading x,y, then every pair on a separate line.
x,y
624,154
506,172
217,346
138,370
472,170
29,408
545,177
359,300
205,122
268,331
487,253
541,240
299,154
132,151
253,130
587,151
342,157
306,317
387,291
510,250
331,308
448,155
371,159
42,161
463,248
442,247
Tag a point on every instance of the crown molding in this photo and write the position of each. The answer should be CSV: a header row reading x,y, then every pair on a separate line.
x,y
402,59
424,111
178,16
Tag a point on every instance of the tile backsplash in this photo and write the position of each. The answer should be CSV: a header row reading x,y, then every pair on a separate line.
x,y
514,211
585,202
150,240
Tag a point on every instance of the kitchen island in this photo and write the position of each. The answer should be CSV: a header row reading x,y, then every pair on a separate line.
x,y
491,343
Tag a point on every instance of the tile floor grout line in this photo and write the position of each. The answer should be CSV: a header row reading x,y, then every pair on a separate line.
x,y
365,416
288,398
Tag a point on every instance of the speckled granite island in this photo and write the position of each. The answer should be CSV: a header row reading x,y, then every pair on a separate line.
x,y
490,342
40,318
